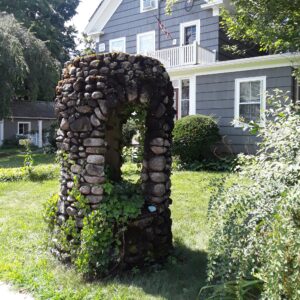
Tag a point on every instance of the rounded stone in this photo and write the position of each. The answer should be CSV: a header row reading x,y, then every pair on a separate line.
x,y
158,177
97,190
85,189
94,170
158,190
76,169
95,121
71,211
97,95
94,199
95,159
93,142
157,163
64,124
158,150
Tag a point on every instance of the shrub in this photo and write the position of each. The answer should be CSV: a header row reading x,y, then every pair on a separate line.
x,y
255,242
193,137
43,172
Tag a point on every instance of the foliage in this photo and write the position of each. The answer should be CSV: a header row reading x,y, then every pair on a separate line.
x,y
226,164
193,137
97,248
27,67
43,172
50,209
129,129
87,44
47,21
28,160
273,24
255,223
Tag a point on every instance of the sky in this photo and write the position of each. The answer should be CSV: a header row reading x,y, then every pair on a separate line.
x,y
84,11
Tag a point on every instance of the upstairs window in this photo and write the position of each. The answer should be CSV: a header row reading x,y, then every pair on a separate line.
x,y
147,5
146,42
250,102
24,128
117,45
190,32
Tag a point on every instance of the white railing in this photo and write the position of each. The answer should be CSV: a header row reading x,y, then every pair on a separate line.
x,y
184,55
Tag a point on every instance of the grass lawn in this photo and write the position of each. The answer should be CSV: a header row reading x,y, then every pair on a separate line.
x,y
26,262
14,157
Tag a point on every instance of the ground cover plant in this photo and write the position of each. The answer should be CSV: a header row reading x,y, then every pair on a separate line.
x,y
25,259
254,246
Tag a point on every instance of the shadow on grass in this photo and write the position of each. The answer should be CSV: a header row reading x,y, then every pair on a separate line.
x,y
180,278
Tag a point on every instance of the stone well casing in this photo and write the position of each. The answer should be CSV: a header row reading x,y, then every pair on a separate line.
x,y
89,102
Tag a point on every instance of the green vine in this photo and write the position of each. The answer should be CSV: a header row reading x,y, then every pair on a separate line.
x,y
102,236
96,250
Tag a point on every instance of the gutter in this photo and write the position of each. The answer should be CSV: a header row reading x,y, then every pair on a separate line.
x,y
243,64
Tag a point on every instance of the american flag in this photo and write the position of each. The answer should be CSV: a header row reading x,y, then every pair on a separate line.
x,y
163,28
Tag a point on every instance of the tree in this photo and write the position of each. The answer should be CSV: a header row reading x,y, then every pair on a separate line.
x,y
28,70
47,19
274,25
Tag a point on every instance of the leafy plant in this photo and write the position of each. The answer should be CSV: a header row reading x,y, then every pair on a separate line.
x,y
193,137
255,223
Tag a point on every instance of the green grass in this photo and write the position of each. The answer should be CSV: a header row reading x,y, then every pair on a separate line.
x,y
26,262
14,157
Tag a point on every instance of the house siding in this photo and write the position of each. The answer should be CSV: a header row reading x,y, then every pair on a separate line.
x,y
215,96
127,21
11,126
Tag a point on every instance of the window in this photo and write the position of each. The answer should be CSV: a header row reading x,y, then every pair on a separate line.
x,y
146,42
190,32
250,100
148,5
24,128
185,98
117,45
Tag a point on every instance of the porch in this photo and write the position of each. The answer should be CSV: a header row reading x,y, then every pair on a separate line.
x,y
192,54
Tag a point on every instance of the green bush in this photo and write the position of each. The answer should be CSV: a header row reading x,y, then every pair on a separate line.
x,y
193,137
254,246
37,173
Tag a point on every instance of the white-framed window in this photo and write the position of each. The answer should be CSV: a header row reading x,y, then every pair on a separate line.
x,y
250,100
146,5
24,128
146,42
184,96
117,45
190,32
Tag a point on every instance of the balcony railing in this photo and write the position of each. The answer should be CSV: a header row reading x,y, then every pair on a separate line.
x,y
184,55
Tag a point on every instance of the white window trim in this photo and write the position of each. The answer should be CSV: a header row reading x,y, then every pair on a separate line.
x,y
263,79
29,126
123,39
139,35
142,10
187,24
192,99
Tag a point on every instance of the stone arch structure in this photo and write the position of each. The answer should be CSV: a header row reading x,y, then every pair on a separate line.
x,y
92,103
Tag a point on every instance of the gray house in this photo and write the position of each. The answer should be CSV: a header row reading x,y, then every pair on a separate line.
x,y
207,79
29,119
